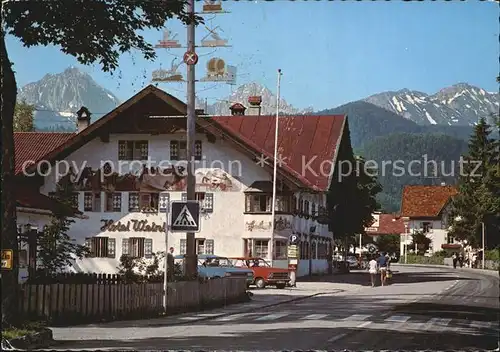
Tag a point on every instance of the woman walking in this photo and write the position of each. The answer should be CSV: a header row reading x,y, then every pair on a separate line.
x,y
373,269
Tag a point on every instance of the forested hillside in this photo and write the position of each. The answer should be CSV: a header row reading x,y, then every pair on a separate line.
x,y
398,150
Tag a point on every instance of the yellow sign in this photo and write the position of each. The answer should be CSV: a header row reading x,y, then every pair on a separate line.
x,y
293,251
7,259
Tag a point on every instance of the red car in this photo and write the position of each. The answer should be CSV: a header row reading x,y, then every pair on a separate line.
x,y
264,275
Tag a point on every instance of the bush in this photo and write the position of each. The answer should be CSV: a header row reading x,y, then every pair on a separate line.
x,y
493,254
420,259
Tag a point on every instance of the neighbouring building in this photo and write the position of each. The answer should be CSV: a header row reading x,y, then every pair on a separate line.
x,y
127,166
426,209
385,224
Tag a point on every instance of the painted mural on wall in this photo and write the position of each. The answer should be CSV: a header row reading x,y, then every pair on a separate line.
x,y
153,179
280,224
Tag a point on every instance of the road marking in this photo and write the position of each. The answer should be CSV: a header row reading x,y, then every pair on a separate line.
x,y
357,317
398,319
233,317
439,321
315,316
366,323
200,316
480,324
336,337
272,316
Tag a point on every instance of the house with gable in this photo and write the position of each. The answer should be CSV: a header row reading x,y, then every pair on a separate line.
x,y
127,166
427,209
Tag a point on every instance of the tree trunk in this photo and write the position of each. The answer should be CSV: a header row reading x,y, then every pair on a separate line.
x,y
10,286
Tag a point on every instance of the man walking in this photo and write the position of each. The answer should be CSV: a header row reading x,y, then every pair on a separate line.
x,y
382,264
455,259
372,267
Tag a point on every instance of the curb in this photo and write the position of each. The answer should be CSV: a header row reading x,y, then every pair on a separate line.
x,y
41,339
468,270
301,298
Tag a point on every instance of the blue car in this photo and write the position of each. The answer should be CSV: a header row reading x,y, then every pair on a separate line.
x,y
212,266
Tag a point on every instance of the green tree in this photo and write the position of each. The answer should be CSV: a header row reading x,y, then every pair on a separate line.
x,y
24,117
478,186
420,242
93,31
388,243
56,250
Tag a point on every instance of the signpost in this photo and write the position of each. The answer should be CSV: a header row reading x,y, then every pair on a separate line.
x,y
293,257
190,58
185,216
7,259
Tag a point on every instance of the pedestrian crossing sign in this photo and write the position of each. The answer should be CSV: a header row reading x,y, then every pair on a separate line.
x,y
185,216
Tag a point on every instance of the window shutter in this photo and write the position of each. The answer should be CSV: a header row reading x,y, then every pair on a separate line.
x,y
88,244
209,246
182,248
125,246
111,248
174,150
184,197
164,202
197,150
133,202
208,203
117,202
148,248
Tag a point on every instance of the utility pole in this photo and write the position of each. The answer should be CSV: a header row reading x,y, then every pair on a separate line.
x,y
191,260
217,71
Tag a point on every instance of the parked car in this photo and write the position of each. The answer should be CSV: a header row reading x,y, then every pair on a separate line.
x,y
213,267
264,274
353,262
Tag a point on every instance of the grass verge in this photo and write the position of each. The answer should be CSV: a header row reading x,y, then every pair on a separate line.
x,y
24,329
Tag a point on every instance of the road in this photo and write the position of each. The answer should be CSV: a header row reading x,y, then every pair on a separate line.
x,y
424,308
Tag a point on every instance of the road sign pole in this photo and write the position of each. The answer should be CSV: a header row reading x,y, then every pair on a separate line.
x,y
165,276
191,267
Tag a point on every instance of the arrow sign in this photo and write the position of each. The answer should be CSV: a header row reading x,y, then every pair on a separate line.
x,y
185,216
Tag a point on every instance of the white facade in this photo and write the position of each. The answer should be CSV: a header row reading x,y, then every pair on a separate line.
x,y
222,175
435,229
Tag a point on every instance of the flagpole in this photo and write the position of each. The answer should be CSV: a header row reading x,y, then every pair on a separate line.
x,y
273,204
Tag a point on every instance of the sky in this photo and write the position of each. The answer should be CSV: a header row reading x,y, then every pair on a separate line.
x,y
330,53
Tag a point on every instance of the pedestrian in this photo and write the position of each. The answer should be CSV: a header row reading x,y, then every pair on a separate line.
x,y
474,260
382,265
373,269
454,257
461,260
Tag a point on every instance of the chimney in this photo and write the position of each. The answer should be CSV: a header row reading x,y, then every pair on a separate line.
x,y
82,119
254,105
237,109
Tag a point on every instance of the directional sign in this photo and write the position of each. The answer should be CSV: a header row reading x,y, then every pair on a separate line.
x,y
190,58
293,239
7,259
185,216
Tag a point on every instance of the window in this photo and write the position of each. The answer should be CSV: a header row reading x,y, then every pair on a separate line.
x,y
258,203
92,201
313,209
261,248
284,204
280,250
133,202
132,150
450,239
137,247
74,198
101,247
203,246
206,200
178,150
113,202
306,207
149,201
426,227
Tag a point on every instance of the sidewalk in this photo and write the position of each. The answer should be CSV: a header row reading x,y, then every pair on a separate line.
x,y
444,267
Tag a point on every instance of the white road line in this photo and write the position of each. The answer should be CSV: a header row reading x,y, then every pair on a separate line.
x,y
366,323
480,324
336,337
315,317
357,317
272,316
398,319
439,321
233,317
200,316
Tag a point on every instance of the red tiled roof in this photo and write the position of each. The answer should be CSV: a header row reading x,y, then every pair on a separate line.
x,y
33,146
300,139
33,199
425,201
388,224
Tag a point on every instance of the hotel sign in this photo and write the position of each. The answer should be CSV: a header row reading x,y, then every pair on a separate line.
x,y
131,225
